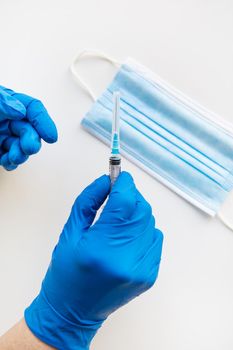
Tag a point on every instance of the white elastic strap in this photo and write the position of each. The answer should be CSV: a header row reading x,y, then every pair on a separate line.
x,y
94,54
225,221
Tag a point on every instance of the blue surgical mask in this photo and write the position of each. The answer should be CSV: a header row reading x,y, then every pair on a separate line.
x,y
168,135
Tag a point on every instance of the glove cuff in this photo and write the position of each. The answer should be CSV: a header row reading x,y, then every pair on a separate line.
x,y
55,330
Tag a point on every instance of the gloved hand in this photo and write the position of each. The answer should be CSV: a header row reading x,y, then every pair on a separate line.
x,y
95,269
23,122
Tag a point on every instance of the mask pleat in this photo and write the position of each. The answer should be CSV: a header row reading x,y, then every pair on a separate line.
x,y
167,136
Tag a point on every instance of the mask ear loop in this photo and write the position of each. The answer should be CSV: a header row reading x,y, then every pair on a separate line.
x,y
94,54
225,221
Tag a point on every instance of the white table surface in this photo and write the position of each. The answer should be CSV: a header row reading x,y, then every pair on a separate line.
x,y
189,43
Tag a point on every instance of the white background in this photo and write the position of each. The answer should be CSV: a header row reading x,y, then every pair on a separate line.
x,y
188,43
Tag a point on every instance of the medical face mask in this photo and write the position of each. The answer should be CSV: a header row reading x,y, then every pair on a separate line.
x,y
168,135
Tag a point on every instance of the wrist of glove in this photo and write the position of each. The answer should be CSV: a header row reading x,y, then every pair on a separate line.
x,y
56,330
24,121
96,268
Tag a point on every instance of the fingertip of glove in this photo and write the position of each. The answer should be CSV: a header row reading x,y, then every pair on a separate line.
x,y
41,121
45,127
30,146
124,182
6,163
93,196
51,136
99,187
122,197
126,175
103,181
16,156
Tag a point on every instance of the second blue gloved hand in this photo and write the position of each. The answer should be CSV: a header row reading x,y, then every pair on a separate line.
x,y
95,269
24,121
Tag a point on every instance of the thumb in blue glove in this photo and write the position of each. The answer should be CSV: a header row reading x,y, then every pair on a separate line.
x,y
95,269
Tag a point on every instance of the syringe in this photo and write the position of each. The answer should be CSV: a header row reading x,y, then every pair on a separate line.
x,y
115,158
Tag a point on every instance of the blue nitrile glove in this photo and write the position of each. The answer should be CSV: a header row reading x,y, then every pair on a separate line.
x,y
95,269
23,122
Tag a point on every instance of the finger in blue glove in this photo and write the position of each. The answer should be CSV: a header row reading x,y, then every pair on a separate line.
x,y
28,137
38,116
15,154
10,107
4,161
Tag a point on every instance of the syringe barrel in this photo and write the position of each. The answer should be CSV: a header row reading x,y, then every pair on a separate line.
x,y
114,168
